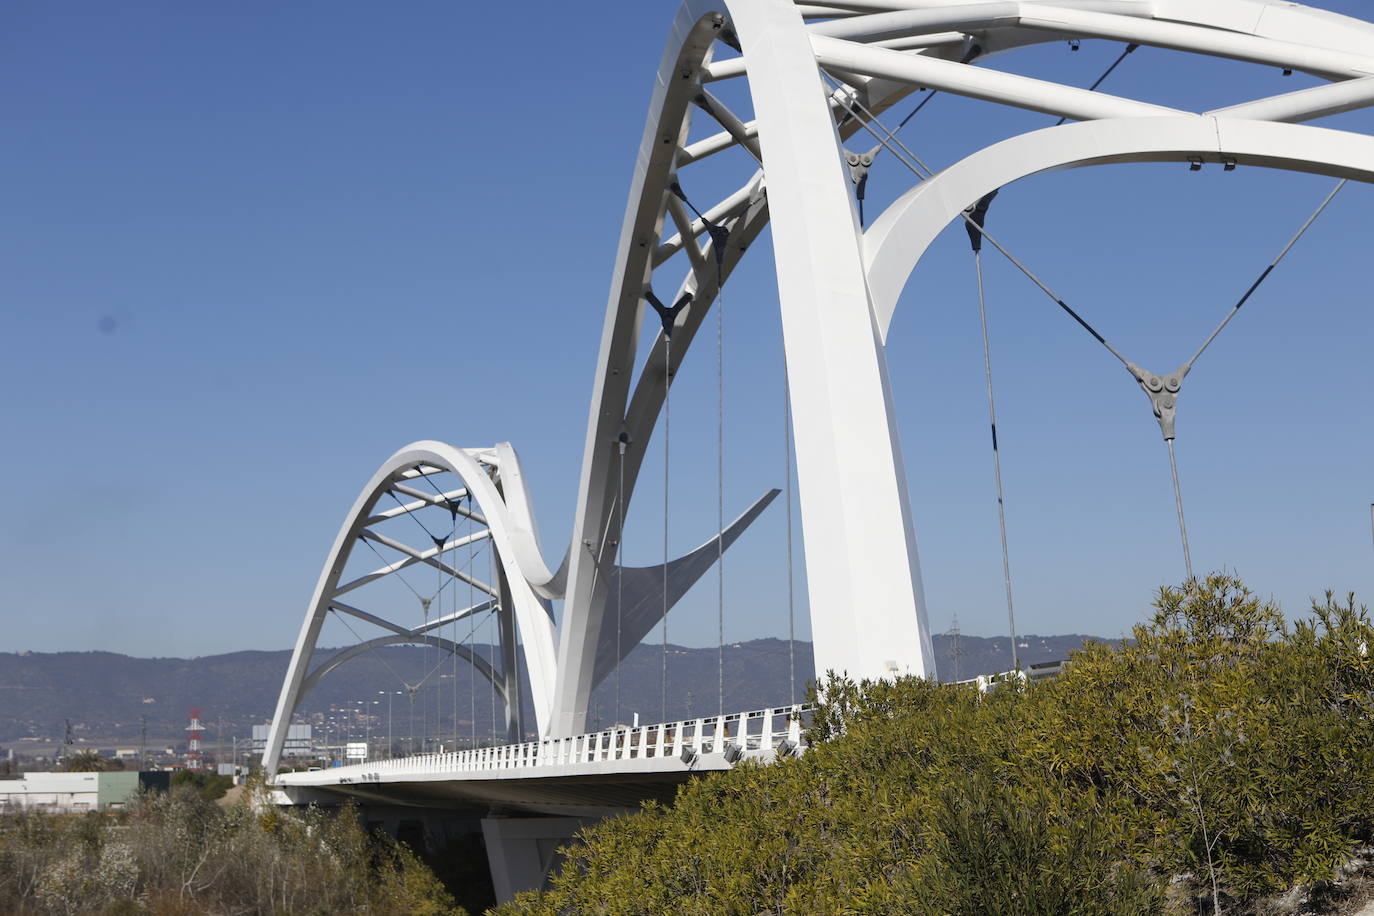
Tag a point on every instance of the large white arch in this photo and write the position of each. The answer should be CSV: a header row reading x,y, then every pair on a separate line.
x,y
817,74
864,579
863,574
900,237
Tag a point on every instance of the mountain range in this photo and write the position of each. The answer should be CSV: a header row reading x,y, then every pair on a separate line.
x,y
115,700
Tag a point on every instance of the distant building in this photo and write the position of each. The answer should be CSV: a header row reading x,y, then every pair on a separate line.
x,y
68,792
298,741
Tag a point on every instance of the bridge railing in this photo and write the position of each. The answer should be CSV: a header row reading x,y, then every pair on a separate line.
x,y
778,729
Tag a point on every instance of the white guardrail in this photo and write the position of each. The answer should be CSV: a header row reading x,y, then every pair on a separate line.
x,y
779,730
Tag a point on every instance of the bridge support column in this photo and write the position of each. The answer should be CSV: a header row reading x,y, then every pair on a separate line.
x,y
523,850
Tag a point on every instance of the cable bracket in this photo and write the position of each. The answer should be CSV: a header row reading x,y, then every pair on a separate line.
x,y
667,314
1163,391
977,216
859,164
720,235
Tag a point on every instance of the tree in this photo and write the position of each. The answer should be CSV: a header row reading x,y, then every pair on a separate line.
x,y
1219,756
83,762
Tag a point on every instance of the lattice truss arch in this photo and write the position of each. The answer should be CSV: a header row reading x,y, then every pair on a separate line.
x,y
492,504
817,75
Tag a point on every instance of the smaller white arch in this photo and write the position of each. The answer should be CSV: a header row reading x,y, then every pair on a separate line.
x,y
531,615
898,239
483,666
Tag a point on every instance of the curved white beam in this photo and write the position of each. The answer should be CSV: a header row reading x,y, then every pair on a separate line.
x,y
530,614
482,666
899,238
838,287
1305,104
524,544
868,609
978,83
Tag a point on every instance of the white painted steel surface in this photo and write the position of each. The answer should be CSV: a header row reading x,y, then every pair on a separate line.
x,y
645,748
816,75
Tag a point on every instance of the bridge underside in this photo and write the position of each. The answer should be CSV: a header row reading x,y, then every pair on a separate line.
x,y
586,795
525,814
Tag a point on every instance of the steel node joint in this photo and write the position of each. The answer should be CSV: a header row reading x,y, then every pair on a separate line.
x,y
1163,391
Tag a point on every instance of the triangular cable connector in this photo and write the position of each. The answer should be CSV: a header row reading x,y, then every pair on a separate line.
x,y
719,234
977,214
667,314
1163,391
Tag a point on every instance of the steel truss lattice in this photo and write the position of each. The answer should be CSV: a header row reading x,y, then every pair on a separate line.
x,y
818,74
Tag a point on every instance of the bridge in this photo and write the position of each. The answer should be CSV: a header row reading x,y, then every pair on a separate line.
x,y
824,81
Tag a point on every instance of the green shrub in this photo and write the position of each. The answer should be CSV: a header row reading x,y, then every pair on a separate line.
x,y
180,853
1219,755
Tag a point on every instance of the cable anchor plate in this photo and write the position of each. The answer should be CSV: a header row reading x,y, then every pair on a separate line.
x,y
1162,390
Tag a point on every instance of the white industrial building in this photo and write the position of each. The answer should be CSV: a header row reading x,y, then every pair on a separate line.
x,y
68,792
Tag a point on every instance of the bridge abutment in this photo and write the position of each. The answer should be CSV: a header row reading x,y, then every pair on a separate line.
x,y
523,851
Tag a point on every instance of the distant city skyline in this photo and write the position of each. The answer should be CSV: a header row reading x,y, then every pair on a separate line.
x,y
248,252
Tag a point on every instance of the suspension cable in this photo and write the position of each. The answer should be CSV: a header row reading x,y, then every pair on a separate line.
x,y
491,639
397,571
668,316
623,441
472,648
1105,73
1264,274
859,165
975,235
719,236
1161,398
373,649
453,636
791,602
1178,506
408,511
922,171
667,451
720,489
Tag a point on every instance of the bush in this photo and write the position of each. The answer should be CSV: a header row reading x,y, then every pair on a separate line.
x,y
180,853
1219,756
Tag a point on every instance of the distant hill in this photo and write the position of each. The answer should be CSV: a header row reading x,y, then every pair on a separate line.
x,y
106,695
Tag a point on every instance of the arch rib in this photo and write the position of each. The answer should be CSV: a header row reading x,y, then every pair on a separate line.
x,y
528,610
899,238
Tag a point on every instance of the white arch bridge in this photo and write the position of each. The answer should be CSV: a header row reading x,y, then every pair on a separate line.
x,y
821,78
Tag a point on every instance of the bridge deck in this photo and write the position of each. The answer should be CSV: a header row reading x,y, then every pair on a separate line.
x,y
591,774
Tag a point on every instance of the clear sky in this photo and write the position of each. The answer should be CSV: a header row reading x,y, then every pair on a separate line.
x,y
248,250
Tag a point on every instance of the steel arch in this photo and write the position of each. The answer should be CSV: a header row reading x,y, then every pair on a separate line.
x,y
526,609
900,237
838,285
330,664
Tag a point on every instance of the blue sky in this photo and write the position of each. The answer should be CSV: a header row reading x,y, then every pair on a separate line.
x,y
248,251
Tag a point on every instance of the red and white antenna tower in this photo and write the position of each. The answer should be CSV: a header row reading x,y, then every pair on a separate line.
x,y
193,745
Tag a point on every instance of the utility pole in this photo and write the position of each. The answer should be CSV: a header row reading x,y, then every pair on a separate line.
x,y
63,752
956,651
143,742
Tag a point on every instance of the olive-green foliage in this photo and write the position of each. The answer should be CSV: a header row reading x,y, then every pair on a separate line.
x,y
180,853
209,786
1218,743
89,762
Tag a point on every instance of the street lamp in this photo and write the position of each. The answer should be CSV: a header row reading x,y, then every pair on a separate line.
x,y
390,743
